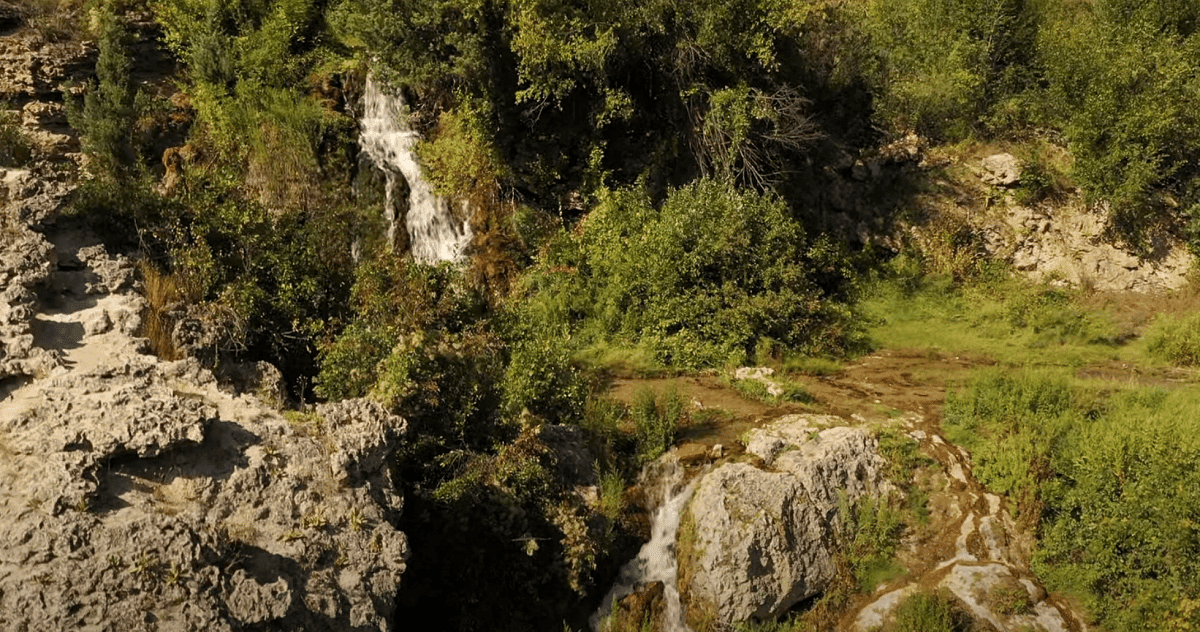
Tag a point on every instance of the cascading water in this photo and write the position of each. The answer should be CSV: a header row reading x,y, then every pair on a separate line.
x,y
435,233
656,561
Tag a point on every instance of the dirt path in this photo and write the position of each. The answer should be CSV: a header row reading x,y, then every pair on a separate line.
x,y
972,546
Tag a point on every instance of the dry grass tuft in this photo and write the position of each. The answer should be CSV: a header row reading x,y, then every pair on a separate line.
x,y
164,292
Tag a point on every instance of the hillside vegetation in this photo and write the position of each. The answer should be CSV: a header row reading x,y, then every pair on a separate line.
x,y
646,185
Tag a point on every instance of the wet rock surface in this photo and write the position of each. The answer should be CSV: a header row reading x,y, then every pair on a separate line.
x,y
974,550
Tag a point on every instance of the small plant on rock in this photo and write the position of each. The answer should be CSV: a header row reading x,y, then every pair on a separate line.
x,y
655,421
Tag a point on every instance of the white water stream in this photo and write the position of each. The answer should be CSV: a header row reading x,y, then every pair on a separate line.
x,y
435,233
656,561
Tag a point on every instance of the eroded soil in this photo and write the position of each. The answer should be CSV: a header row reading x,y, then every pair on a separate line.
x,y
971,544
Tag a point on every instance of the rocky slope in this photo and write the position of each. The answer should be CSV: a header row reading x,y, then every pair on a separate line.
x,y
137,494
973,549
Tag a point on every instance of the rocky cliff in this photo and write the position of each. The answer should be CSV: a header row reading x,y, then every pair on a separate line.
x,y
137,494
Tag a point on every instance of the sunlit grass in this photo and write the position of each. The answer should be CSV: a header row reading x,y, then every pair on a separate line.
x,y
1009,321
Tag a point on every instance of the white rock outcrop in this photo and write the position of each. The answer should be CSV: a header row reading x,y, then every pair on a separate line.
x,y
758,540
1002,170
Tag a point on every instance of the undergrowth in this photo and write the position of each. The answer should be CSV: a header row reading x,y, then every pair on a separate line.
x,y
998,317
1107,474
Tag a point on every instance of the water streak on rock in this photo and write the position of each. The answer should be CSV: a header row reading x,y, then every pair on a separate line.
x,y
656,561
435,232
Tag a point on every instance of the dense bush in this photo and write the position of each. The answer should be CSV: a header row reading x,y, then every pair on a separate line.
x,y
1122,78
942,67
1111,479
576,94
700,280
1175,339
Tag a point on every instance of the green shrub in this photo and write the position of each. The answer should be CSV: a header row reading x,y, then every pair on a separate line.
x,y
105,116
1121,80
1112,479
1121,527
655,421
700,281
871,531
1012,423
1175,339
541,378
925,612
942,65
15,148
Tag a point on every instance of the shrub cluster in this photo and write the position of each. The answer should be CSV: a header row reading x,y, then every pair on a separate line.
x,y
701,280
1110,480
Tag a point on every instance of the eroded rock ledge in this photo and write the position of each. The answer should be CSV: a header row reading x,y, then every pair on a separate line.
x,y
138,496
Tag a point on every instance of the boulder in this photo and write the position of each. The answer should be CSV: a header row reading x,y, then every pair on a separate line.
x,y
1001,170
758,540
138,487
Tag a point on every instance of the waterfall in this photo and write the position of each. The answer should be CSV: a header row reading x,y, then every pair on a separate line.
x,y
656,561
434,231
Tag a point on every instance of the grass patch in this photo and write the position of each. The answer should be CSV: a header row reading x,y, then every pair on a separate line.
x,y
929,612
871,532
1008,320
759,390
613,359
813,366
164,292
1175,339
656,421
1109,475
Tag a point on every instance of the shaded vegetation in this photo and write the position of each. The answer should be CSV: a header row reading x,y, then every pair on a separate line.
x,y
645,179
1107,476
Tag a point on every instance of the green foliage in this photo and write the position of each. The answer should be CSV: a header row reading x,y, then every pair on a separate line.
x,y
700,281
1175,339
418,347
460,157
926,612
106,114
1012,423
871,532
943,65
15,148
489,510
542,379
573,94
655,421
1122,79
1113,476
746,132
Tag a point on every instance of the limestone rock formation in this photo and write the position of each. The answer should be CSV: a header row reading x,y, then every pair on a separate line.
x,y
758,540
137,495
1002,170
985,567
1069,245
26,264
